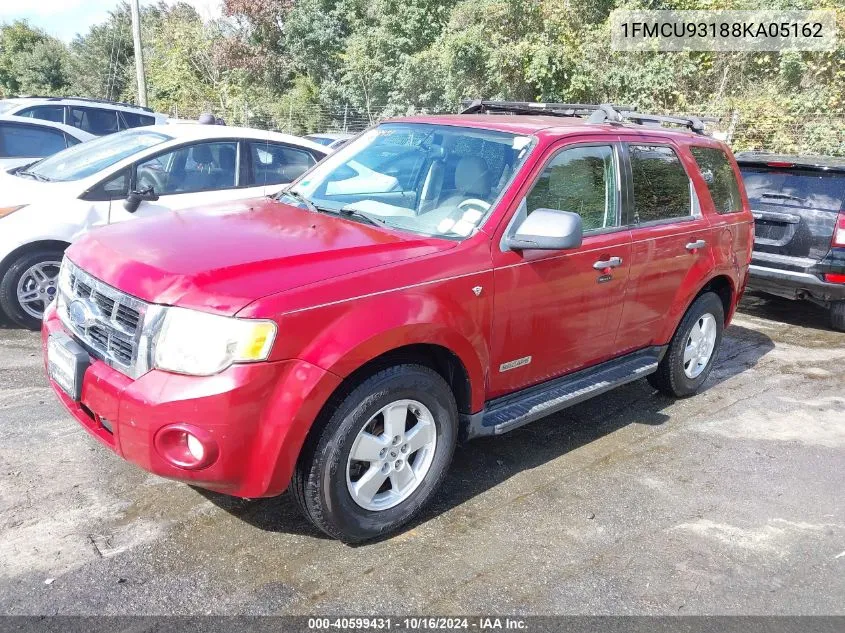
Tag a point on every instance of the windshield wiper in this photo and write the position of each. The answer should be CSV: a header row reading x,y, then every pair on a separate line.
x,y
35,176
354,213
298,196
782,196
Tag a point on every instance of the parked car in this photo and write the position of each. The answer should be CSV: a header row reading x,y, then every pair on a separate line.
x,y
95,116
135,173
332,140
499,269
23,141
798,204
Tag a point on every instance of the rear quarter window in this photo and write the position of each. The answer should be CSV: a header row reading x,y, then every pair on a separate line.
x,y
717,172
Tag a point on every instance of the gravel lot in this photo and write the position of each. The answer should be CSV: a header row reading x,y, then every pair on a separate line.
x,y
731,502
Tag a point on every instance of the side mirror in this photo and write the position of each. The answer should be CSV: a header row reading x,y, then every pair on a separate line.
x,y
548,230
135,198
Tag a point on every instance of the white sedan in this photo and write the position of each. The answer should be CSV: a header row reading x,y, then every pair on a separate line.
x,y
24,140
137,173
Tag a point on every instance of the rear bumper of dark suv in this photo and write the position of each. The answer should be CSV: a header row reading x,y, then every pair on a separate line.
x,y
794,285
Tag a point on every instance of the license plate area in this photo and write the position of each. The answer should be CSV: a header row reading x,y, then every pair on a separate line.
x,y
67,362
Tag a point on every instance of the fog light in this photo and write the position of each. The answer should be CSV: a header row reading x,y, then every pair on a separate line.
x,y
186,446
195,447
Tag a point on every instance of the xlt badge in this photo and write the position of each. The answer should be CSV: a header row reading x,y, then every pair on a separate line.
x,y
513,364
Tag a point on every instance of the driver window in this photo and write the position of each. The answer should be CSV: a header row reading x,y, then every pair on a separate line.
x,y
191,169
581,180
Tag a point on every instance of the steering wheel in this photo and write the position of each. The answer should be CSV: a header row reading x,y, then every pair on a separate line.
x,y
150,178
473,202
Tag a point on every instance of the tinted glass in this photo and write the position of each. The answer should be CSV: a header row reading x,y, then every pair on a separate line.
x,y
89,158
719,175
661,186
201,167
115,187
26,141
433,179
94,120
581,180
55,113
807,188
133,119
274,164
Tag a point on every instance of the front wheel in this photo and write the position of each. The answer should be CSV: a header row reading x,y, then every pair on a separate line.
x,y
381,455
29,285
693,349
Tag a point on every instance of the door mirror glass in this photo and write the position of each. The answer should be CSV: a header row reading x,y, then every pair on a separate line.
x,y
548,229
135,198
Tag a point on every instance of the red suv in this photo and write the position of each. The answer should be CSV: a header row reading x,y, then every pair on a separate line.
x,y
439,277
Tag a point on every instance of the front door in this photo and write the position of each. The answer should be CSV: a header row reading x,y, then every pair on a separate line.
x,y
194,175
558,311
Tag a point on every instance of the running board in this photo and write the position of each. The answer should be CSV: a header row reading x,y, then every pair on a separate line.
x,y
518,409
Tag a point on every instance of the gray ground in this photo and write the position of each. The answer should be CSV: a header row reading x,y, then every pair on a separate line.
x,y
729,502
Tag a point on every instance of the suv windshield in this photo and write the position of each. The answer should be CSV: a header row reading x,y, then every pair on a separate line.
x,y
85,159
432,179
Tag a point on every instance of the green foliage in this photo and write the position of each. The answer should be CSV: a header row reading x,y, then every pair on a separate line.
x,y
287,63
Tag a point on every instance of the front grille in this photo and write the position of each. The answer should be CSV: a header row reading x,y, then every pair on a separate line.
x,y
108,322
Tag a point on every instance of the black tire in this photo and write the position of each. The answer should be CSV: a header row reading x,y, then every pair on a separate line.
x,y
9,303
319,482
837,315
670,377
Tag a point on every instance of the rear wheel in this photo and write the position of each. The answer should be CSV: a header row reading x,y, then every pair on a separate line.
x,y
380,456
29,285
837,315
689,359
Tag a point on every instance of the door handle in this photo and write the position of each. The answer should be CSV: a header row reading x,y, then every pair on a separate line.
x,y
694,246
613,262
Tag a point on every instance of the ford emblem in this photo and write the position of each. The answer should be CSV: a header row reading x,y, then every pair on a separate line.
x,y
81,313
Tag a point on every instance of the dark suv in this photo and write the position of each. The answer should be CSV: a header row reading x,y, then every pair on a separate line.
x,y
798,204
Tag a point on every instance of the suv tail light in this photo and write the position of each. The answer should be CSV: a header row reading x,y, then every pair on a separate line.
x,y
839,231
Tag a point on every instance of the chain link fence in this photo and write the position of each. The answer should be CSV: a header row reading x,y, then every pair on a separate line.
x,y
815,133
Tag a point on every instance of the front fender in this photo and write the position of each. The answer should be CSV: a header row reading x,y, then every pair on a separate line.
x,y
342,337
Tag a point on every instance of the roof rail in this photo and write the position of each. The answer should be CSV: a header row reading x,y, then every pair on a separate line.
x,y
86,99
596,113
480,106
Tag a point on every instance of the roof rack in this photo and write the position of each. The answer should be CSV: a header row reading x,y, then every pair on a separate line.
x,y
86,99
596,113
480,106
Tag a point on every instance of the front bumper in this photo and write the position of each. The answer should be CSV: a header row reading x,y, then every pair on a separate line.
x,y
258,416
793,285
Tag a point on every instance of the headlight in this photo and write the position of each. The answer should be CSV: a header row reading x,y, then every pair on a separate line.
x,y
201,344
4,211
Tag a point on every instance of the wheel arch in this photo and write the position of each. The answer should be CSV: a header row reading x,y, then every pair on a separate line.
x,y
27,248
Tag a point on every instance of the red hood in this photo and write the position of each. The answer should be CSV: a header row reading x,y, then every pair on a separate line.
x,y
227,256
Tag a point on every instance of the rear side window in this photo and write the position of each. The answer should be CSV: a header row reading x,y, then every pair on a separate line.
x,y
274,164
581,180
805,188
133,119
661,186
717,172
28,141
94,120
55,113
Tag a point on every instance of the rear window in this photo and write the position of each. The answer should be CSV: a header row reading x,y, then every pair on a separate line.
x,y
715,168
805,188
661,186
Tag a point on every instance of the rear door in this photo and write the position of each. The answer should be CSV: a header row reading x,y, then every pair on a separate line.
x,y
795,211
672,240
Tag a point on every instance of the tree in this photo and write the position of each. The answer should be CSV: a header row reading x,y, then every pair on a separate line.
x,y
31,62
